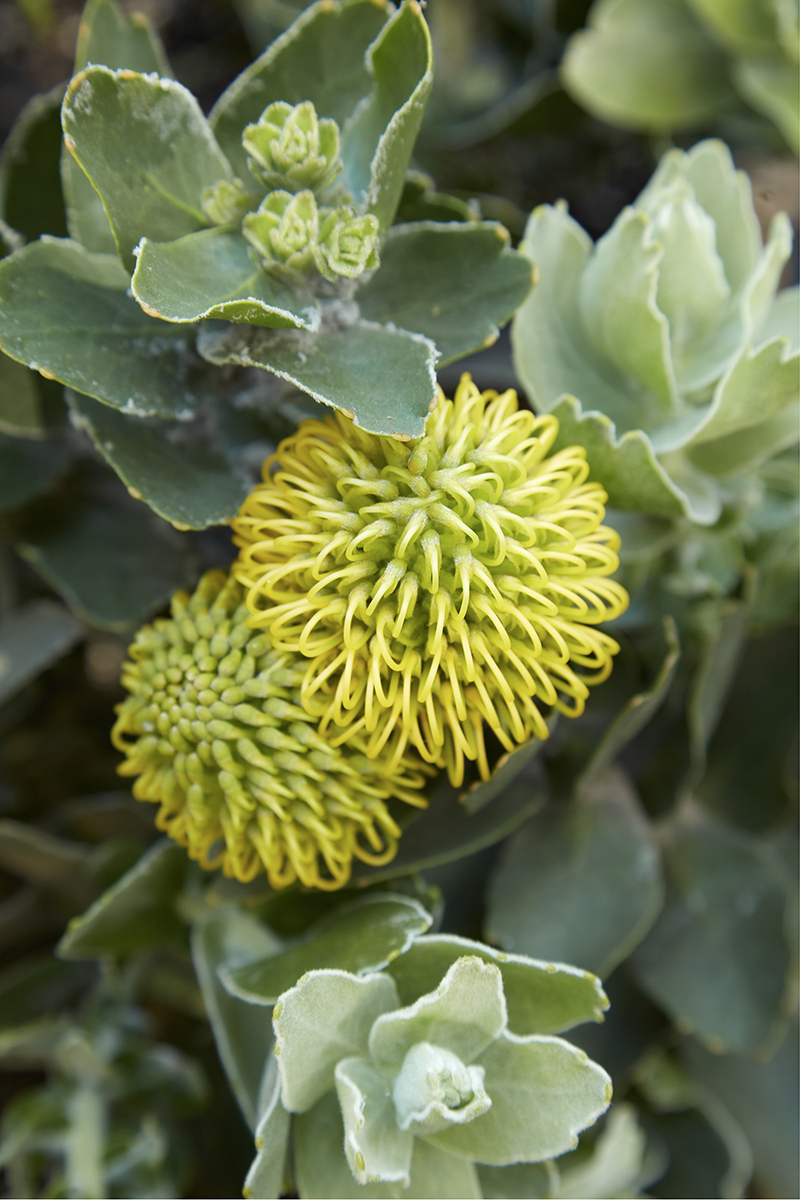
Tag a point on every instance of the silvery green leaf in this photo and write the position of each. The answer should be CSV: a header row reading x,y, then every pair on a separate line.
x,y
748,448
552,355
378,141
540,997
148,150
464,1015
617,299
581,882
760,384
724,193
717,958
211,274
762,1096
769,85
646,64
616,1162
376,1148
544,1092
265,1178
242,1033
435,1172
693,290
323,1018
361,938
31,639
626,466
521,1181
320,1165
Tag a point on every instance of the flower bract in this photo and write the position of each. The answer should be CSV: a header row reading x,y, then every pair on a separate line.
x,y
434,585
215,733
289,147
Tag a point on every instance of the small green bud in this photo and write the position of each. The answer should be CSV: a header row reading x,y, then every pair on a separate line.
x,y
226,202
348,244
290,148
283,233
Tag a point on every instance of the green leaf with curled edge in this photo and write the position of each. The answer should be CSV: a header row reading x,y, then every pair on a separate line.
x,y
242,1033
65,312
769,375
626,466
110,38
319,58
717,958
136,913
384,378
107,556
360,937
32,638
542,998
31,201
455,283
212,274
378,142
581,882
148,151
171,466
646,64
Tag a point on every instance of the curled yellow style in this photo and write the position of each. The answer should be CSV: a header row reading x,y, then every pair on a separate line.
x,y
437,586
216,734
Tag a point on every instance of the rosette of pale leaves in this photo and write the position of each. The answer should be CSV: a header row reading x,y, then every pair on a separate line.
x,y
409,1078
663,349
674,64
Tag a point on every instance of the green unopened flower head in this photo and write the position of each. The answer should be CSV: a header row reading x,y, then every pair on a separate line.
x,y
348,243
283,232
226,202
216,735
291,149
437,585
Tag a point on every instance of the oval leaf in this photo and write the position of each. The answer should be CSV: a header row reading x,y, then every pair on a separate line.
x,y
211,274
138,912
362,938
147,149
455,283
172,467
383,377
64,311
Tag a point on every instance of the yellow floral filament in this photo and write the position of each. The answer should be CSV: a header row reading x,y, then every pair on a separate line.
x,y
215,730
434,585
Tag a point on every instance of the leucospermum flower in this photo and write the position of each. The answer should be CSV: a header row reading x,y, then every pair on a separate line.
x,y
216,734
436,586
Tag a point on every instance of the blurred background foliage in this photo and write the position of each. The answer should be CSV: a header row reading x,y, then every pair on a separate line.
x,y
654,841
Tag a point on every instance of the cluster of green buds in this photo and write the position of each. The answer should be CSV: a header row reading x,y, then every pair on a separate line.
x,y
289,148
296,155
291,236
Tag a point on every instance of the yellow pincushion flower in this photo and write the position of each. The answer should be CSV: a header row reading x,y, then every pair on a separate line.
x,y
436,586
216,734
